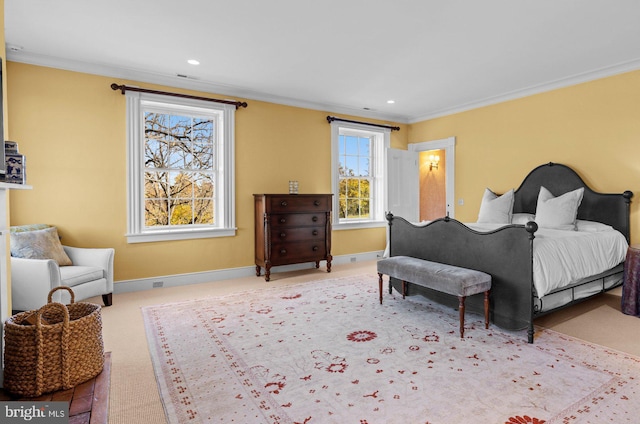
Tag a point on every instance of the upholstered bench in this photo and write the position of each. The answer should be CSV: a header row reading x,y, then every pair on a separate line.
x,y
453,280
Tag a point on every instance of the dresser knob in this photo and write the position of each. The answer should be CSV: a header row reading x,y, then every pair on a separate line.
x,y
314,219
283,203
315,248
283,235
283,251
283,220
315,232
316,202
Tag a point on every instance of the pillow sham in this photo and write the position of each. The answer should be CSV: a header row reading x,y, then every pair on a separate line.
x,y
522,218
39,244
558,212
496,209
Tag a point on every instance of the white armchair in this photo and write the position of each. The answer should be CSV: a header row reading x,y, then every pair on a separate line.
x,y
91,274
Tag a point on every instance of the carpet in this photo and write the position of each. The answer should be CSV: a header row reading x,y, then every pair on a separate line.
x,y
328,352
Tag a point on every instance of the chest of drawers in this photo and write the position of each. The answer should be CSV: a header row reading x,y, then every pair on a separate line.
x,y
291,229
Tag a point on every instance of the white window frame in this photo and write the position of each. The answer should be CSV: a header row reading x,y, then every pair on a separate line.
x,y
225,226
382,140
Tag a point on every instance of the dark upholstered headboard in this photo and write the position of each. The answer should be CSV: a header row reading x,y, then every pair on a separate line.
x,y
610,209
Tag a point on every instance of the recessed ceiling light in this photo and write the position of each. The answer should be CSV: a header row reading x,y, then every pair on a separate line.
x,y
193,62
391,101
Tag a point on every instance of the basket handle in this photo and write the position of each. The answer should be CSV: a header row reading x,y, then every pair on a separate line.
x,y
64,344
67,288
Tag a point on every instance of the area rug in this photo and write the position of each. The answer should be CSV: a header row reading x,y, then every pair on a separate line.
x,y
329,352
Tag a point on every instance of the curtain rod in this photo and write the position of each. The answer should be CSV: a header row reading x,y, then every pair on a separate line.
x,y
124,88
330,119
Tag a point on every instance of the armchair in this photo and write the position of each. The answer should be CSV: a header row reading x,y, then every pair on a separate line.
x,y
34,275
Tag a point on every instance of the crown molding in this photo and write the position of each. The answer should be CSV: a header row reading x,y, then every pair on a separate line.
x,y
580,78
235,91
188,83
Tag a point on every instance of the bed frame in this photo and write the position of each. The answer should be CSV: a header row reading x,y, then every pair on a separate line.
x,y
507,253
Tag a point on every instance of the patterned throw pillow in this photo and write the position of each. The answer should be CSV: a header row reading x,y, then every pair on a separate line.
x,y
39,244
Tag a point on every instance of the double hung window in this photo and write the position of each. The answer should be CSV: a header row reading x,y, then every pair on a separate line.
x,y
358,170
180,162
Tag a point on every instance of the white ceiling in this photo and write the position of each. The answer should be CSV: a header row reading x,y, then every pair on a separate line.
x,y
433,57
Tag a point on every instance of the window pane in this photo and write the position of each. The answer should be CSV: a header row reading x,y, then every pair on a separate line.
x,y
203,130
204,211
363,166
203,185
181,212
156,212
351,165
364,146
181,185
353,208
202,157
351,147
156,184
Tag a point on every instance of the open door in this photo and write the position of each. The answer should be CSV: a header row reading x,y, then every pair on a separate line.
x,y
403,184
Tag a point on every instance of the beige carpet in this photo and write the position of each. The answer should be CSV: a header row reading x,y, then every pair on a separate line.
x,y
134,393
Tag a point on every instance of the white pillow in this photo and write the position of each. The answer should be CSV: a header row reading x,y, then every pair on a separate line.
x,y
522,218
496,209
558,212
592,226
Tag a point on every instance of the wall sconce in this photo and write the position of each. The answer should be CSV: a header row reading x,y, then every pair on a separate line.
x,y
434,160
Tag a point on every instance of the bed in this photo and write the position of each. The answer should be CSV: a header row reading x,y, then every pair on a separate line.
x,y
511,254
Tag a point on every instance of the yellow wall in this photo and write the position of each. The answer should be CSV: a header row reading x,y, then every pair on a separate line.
x,y
593,127
71,127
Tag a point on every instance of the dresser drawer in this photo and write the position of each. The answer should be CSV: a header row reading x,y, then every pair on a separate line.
x,y
284,252
295,203
290,234
298,219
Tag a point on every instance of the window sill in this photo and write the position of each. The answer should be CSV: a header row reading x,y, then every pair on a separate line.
x,y
360,225
170,235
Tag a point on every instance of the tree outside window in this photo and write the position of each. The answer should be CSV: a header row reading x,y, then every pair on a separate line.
x,y
179,170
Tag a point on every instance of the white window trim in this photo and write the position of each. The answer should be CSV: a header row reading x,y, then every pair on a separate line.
x,y
379,189
136,231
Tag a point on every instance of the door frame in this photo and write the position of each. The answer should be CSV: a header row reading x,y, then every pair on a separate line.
x,y
449,147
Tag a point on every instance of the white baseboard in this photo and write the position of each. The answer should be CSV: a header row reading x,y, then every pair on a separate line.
x,y
125,286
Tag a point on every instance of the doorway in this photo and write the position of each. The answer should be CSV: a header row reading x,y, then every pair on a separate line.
x,y
436,175
433,201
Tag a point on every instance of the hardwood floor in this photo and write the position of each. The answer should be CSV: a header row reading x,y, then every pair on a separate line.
x,y
88,402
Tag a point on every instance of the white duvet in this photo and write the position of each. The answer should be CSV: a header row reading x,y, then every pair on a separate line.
x,y
562,257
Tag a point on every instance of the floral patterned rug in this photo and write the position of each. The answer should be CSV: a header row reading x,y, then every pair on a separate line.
x,y
328,352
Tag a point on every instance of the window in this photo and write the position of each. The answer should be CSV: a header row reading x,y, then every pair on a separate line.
x,y
180,163
358,173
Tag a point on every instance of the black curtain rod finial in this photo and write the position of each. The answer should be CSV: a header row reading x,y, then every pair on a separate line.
x,y
115,87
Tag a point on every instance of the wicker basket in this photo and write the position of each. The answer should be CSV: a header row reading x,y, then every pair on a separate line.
x,y
54,348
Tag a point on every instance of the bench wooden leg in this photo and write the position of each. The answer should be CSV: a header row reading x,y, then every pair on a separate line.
x,y
380,285
461,300
486,309
404,289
